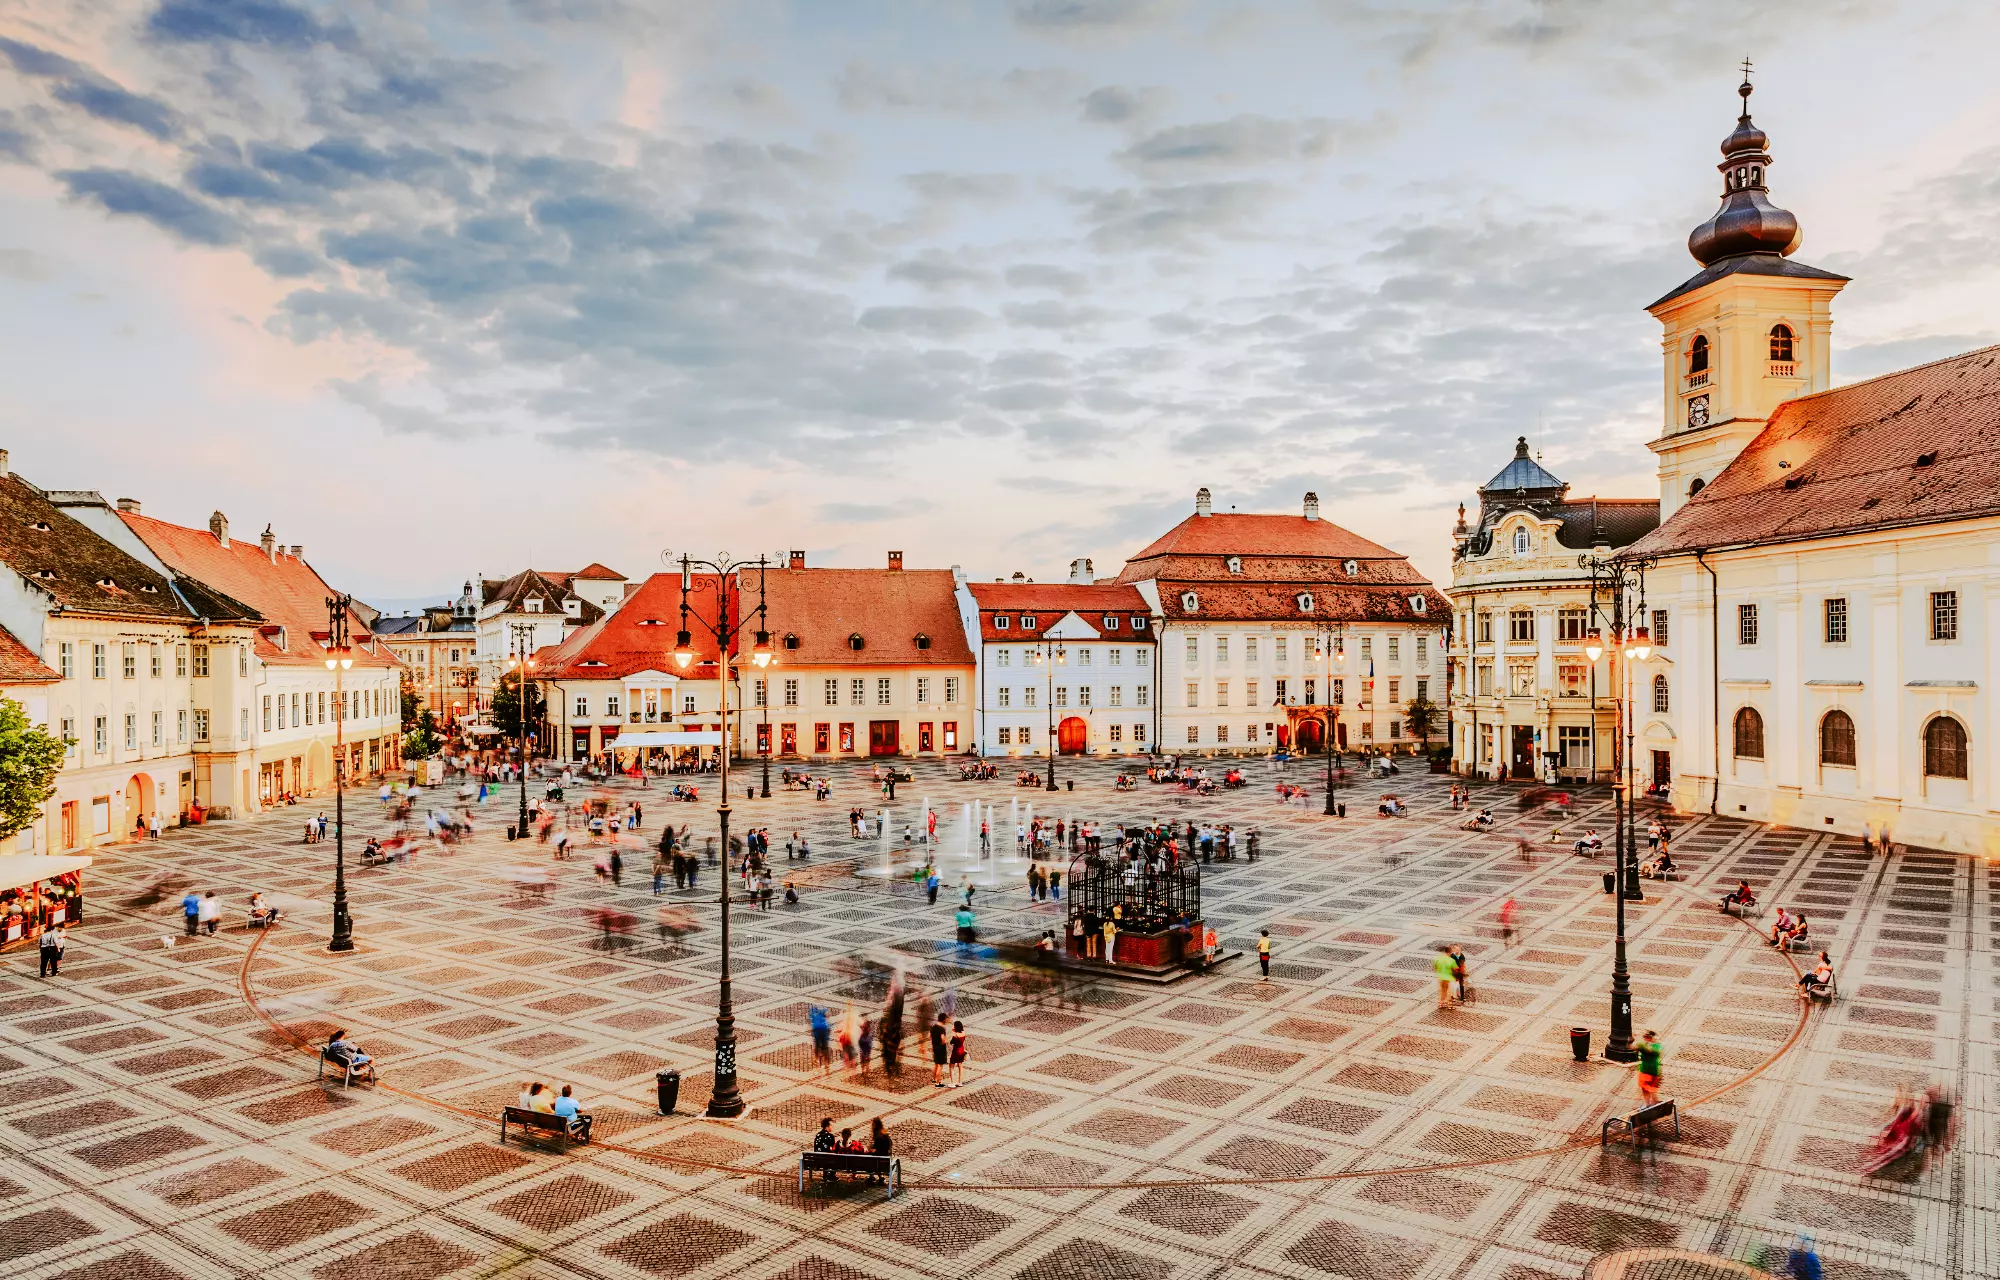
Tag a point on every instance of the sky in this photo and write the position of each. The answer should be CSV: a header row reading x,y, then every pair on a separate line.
x,y
444,287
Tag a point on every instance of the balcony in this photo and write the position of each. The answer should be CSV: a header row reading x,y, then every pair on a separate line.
x,y
1784,369
1696,381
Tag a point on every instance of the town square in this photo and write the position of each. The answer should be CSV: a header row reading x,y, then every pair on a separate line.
x,y
1057,638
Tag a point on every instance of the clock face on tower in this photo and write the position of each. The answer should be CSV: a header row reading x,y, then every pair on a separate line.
x,y
1698,411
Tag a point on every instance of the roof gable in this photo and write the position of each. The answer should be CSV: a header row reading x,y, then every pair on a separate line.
x,y
74,565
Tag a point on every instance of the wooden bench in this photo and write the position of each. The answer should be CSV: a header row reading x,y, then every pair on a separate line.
x,y
1629,1127
344,1063
542,1122
888,1168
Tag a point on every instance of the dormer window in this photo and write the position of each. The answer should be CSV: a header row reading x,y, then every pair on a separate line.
x,y
1305,601
1522,542
40,526
572,607
1001,622
1350,567
147,588
1234,564
1027,622
855,642
791,640
46,575
534,604
1111,622
107,583
1419,605
1190,602
1698,355
923,641
1138,622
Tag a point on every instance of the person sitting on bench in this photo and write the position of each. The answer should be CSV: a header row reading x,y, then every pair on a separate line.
x,y
262,915
1481,821
1787,928
359,1064
566,1106
825,1141
1590,844
1740,896
1817,980
1661,867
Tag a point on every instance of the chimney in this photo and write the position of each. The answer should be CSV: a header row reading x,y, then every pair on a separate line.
x,y
796,560
218,524
1312,506
3,463
124,504
298,553
895,559
269,544
1201,502
1019,576
1080,573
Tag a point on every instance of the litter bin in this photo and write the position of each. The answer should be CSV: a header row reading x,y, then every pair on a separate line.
x,y
1070,783
510,831
669,1082
1340,811
1611,882
1579,1044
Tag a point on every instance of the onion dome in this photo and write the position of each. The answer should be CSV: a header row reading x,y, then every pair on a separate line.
x,y
1747,222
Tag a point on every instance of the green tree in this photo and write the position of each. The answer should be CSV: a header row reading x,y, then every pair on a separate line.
x,y
1421,717
507,705
30,757
423,742
412,704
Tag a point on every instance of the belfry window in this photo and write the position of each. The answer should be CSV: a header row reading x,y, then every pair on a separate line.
x,y
1698,354
1781,344
1521,541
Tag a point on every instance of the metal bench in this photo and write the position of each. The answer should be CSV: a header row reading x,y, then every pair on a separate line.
x,y
1799,940
1743,910
1629,1127
543,1122
1827,992
344,1063
888,1168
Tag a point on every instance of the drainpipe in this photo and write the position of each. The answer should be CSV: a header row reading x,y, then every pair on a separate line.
x,y
1472,679
1715,677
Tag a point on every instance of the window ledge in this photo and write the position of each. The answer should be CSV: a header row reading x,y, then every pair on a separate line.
x,y
1834,684
1748,684
1965,685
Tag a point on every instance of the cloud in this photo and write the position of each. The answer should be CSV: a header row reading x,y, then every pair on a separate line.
x,y
953,90
26,265
1114,104
1180,217
982,187
1073,16
867,512
247,22
117,191
1039,275
936,323
938,271
1245,140
89,91
1050,314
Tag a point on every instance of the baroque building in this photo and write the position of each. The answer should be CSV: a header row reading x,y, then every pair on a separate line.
x,y
1829,568
1526,700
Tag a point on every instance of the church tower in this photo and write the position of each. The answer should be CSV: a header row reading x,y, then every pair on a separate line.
x,y
1747,332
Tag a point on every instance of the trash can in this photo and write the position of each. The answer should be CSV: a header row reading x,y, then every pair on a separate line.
x,y
1579,1044
1611,882
1340,810
1070,783
669,1082
510,831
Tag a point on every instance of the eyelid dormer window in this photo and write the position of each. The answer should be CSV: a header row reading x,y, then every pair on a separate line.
x,y
1234,564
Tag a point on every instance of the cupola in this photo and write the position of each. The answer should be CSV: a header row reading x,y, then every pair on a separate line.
x,y
1747,221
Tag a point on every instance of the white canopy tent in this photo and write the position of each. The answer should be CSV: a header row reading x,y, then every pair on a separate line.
x,y
18,871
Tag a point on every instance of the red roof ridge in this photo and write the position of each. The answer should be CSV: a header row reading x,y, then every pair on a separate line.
x,y
1884,377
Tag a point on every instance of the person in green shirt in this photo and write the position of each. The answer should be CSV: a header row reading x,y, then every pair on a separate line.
x,y
1650,1055
1446,969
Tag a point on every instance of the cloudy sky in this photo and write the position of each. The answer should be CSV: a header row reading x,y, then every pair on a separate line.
x,y
443,286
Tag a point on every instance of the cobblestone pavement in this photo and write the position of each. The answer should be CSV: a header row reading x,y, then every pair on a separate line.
x,y
155,1126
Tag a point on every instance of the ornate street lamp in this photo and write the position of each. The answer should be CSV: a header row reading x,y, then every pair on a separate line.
x,y
1333,640
523,664
1050,653
1615,580
726,1100
339,658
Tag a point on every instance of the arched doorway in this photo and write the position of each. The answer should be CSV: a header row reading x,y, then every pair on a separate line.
x,y
138,801
1340,735
1312,736
1073,736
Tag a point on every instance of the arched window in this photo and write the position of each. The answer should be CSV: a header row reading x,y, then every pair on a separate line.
x,y
1781,344
1749,734
1836,739
1945,749
1698,355
1663,700
1698,485
1521,541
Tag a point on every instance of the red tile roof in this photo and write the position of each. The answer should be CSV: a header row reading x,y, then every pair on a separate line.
x,y
19,665
638,635
1917,447
285,590
887,608
597,572
1236,534
81,571
1051,602
1278,602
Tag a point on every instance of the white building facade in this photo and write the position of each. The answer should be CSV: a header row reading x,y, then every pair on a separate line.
x,y
1069,666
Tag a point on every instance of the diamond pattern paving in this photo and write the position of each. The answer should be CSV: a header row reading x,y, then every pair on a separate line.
x,y
154,1126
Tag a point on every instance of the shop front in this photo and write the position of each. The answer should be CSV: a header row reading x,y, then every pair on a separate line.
x,y
38,893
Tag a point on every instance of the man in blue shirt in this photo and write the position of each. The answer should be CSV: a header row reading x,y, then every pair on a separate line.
x,y
579,1123
191,908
